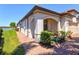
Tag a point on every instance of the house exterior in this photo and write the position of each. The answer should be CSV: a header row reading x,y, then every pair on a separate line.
x,y
40,19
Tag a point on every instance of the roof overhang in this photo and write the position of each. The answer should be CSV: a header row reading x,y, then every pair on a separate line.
x,y
38,9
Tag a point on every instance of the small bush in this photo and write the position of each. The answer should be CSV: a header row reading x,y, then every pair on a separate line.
x,y
45,37
63,36
64,33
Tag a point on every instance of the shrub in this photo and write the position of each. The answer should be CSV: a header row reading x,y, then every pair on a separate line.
x,y
69,35
1,30
19,51
45,37
1,44
63,35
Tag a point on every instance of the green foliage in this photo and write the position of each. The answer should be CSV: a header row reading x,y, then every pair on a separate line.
x,y
1,40
45,37
63,36
12,24
19,51
1,30
63,33
10,41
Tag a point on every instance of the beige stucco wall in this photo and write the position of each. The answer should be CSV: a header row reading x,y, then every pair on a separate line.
x,y
36,21
73,27
23,26
70,25
35,25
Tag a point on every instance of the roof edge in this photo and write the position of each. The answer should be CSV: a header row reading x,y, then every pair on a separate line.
x,y
40,8
45,9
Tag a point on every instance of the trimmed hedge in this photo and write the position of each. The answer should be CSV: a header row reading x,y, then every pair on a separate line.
x,y
1,40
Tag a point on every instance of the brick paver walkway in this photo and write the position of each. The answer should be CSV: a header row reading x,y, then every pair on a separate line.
x,y
33,48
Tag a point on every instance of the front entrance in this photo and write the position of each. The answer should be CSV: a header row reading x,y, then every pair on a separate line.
x,y
50,25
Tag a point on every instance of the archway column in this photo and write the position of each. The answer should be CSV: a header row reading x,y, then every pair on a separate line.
x,y
59,26
38,28
66,25
29,29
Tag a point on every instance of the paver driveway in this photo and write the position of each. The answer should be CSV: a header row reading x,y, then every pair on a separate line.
x,y
33,48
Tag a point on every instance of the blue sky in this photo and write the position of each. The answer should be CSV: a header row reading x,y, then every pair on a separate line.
x,y
15,12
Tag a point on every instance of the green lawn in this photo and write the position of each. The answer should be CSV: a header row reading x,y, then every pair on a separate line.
x,y
11,43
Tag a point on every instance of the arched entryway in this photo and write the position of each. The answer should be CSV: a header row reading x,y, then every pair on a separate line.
x,y
50,25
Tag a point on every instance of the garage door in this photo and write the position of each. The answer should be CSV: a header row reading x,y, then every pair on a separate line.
x,y
73,27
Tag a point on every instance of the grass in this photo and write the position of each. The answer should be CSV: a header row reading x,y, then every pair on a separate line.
x,y
11,43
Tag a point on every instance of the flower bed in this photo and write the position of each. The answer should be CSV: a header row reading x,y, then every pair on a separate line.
x,y
48,37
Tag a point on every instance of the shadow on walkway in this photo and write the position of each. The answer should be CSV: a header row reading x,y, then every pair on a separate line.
x,y
24,48
68,48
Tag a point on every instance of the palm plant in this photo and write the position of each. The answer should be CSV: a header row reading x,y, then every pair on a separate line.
x,y
63,35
